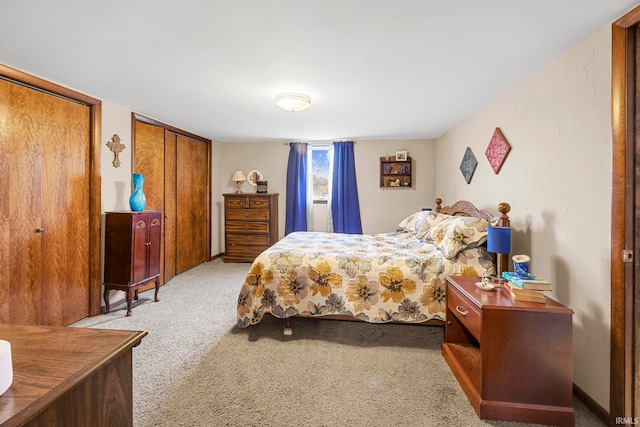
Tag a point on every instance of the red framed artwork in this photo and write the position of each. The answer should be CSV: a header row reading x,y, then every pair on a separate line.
x,y
497,150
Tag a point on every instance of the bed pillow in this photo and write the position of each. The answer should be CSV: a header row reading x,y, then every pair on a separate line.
x,y
457,233
421,222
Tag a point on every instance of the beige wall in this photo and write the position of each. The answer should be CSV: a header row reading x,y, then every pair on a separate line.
x,y
381,209
557,179
116,181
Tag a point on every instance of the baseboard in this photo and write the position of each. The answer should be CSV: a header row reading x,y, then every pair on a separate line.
x,y
216,256
591,404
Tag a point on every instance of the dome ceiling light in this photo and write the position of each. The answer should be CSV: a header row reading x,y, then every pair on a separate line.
x,y
290,101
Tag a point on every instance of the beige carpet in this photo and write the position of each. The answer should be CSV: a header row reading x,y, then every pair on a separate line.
x,y
196,368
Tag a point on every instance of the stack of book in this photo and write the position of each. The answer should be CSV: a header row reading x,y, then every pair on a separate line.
x,y
530,288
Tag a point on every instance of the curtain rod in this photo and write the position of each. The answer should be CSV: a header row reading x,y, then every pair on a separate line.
x,y
315,143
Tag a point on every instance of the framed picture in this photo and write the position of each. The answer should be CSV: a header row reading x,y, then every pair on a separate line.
x,y
401,156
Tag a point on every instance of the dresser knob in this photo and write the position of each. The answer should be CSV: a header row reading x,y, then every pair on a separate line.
x,y
449,323
461,310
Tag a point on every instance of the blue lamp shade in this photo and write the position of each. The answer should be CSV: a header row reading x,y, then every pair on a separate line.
x,y
499,240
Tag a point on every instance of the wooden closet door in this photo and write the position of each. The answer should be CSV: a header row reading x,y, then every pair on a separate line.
x,y
170,196
44,222
149,159
192,203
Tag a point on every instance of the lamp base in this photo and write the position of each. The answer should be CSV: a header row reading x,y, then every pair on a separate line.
x,y
238,186
502,263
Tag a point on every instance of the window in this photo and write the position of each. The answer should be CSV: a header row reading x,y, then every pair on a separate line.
x,y
321,168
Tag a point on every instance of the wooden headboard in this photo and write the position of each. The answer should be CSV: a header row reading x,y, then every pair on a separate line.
x,y
464,208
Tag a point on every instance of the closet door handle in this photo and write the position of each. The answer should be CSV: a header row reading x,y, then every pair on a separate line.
x,y
40,230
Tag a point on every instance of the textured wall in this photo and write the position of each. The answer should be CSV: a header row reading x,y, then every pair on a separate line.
x,y
557,179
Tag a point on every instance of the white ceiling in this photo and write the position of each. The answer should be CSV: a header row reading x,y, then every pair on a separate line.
x,y
374,69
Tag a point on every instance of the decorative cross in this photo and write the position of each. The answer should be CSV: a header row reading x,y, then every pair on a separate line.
x,y
117,148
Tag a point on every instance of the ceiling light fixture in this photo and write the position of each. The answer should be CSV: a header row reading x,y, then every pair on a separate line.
x,y
290,101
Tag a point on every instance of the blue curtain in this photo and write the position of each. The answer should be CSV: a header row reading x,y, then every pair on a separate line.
x,y
296,213
345,208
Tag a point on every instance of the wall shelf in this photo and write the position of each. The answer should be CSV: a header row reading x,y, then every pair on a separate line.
x,y
396,174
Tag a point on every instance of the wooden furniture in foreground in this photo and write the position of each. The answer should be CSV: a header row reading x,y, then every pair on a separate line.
x,y
513,359
396,173
64,376
250,225
131,253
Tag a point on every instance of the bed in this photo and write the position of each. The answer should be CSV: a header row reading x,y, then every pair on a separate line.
x,y
377,278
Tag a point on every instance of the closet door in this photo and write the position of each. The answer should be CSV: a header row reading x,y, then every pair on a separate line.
x,y
192,203
176,169
170,196
149,160
44,216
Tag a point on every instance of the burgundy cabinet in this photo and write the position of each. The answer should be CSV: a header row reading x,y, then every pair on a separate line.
x,y
131,253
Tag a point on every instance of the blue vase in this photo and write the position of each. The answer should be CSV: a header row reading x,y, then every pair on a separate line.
x,y
138,200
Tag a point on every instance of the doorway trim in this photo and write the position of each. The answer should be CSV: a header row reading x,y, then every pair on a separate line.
x,y
623,94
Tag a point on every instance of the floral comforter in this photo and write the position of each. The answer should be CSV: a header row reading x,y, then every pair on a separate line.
x,y
376,278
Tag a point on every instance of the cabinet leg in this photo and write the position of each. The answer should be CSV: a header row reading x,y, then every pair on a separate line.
x,y
129,297
156,293
106,299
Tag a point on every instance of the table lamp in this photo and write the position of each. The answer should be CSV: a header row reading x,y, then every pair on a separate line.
x,y
499,243
239,178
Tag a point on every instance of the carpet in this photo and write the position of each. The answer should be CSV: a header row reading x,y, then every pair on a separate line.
x,y
196,368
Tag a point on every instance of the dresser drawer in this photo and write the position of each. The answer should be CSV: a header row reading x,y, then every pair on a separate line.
x,y
235,202
246,227
259,203
465,311
248,239
236,250
244,202
247,215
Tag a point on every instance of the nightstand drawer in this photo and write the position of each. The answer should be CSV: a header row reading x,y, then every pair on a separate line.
x,y
465,311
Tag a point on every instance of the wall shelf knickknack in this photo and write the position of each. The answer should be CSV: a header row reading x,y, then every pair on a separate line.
x,y
396,173
497,150
117,147
468,165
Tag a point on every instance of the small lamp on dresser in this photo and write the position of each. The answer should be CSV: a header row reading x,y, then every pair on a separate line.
x,y
499,243
239,178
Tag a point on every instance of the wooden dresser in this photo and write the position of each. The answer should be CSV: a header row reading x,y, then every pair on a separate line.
x,y
513,359
250,225
131,253
64,376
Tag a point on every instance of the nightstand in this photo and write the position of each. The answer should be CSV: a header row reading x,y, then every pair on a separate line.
x,y
513,359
